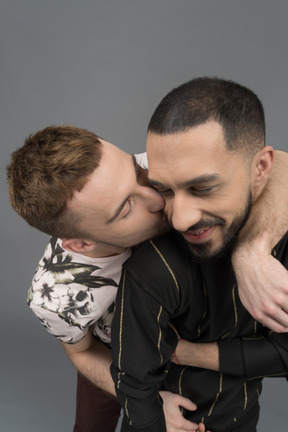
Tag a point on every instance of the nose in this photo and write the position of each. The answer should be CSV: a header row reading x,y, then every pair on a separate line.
x,y
153,201
182,213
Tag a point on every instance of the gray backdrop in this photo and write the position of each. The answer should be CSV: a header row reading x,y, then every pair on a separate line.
x,y
104,65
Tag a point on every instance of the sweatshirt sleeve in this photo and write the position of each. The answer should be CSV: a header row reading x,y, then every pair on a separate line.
x,y
142,345
254,356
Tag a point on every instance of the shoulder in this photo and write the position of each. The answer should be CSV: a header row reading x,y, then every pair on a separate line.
x,y
164,259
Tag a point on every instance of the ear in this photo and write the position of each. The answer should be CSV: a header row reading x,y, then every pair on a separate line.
x,y
262,166
78,245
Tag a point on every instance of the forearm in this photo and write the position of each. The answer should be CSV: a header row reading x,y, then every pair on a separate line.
x,y
254,356
94,363
268,220
202,355
262,280
250,357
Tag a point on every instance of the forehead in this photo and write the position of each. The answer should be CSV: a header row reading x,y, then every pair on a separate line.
x,y
195,152
107,184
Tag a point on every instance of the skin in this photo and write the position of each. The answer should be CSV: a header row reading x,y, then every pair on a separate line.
x,y
263,287
114,203
207,189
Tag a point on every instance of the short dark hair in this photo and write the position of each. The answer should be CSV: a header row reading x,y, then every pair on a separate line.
x,y
236,108
45,172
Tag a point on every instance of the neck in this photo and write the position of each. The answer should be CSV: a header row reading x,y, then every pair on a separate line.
x,y
102,254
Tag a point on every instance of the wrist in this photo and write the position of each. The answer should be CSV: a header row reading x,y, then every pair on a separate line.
x,y
259,246
174,357
203,355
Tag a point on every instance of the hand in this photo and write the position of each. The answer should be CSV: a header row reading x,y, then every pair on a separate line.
x,y
263,287
201,428
175,422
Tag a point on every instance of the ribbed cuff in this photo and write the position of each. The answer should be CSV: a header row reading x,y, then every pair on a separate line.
x,y
231,357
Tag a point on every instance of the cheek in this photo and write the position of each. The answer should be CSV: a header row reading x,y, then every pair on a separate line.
x,y
167,208
235,207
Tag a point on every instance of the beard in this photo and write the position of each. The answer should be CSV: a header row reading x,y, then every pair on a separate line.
x,y
205,251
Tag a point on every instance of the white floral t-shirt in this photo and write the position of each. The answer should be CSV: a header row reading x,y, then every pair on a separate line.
x,y
71,292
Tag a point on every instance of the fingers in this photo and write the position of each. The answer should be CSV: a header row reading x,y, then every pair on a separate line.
x,y
180,424
186,403
201,428
278,322
276,326
187,427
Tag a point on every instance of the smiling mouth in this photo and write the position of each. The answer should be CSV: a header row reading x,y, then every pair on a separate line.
x,y
200,232
199,236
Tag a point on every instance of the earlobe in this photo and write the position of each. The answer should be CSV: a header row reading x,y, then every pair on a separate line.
x,y
263,166
77,245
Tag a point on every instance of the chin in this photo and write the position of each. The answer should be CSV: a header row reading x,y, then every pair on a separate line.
x,y
207,252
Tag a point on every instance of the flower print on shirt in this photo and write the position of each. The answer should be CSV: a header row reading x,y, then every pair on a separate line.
x,y
67,288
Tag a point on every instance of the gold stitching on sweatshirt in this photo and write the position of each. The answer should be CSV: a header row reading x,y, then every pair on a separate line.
x,y
245,395
160,333
255,326
235,307
126,408
205,310
180,385
217,395
166,264
121,321
266,376
253,338
235,313
180,381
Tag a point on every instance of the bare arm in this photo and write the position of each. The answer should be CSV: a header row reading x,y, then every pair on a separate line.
x,y
202,355
268,220
93,359
262,280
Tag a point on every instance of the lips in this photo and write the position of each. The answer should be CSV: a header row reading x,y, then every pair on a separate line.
x,y
199,236
200,232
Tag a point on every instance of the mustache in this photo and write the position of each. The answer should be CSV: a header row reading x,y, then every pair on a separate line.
x,y
205,224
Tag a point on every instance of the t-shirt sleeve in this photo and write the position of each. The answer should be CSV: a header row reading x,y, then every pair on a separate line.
x,y
59,327
70,293
67,310
141,159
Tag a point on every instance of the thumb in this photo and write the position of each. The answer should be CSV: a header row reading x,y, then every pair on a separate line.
x,y
186,403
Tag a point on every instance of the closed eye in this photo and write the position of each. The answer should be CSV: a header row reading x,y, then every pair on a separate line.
x,y
165,193
204,190
130,208
162,192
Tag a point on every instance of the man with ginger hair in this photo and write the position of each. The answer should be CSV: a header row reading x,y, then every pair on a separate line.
x,y
64,181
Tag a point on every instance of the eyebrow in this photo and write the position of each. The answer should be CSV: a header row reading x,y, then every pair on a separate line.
x,y
120,207
206,178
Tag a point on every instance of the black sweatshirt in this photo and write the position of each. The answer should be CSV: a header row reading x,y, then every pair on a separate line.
x,y
161,284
